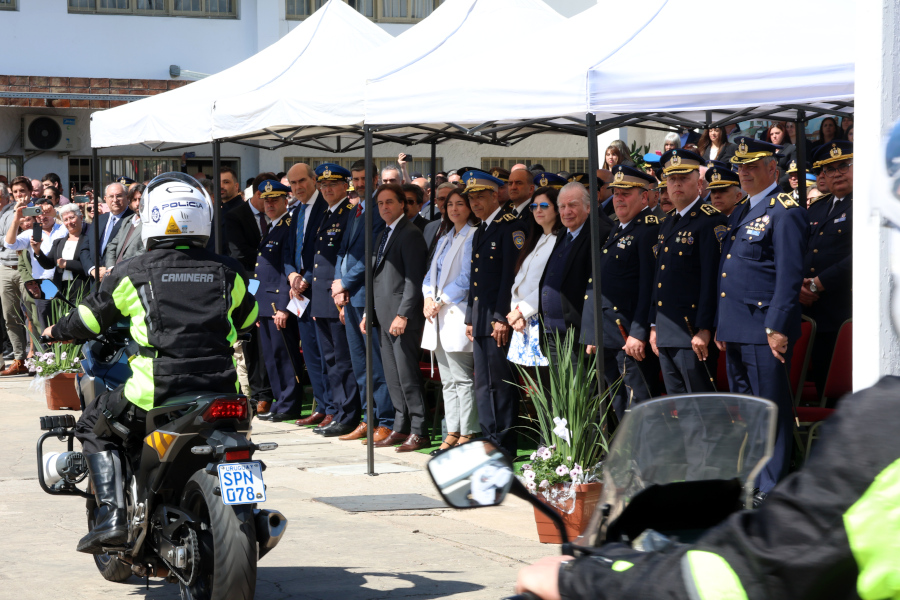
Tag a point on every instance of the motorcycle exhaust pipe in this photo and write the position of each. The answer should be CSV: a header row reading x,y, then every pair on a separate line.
x,y
270,526
63,465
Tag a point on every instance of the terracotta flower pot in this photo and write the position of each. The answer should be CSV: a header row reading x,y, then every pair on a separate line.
x,y
586,497
61,392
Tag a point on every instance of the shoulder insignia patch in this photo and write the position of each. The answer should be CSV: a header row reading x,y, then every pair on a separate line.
x,y
519,239
720,231
787,201
817,198
656,250
287,221
651,220
710,210
507,217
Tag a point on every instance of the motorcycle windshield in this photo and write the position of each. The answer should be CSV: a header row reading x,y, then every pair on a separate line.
x,y
687,438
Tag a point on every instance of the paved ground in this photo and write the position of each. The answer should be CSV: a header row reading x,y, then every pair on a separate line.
x,y
326,553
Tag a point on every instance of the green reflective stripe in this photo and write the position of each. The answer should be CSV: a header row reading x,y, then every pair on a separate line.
x,y
237,295
873,531
126,299
621,565
251,318
708,576
139,388
88,318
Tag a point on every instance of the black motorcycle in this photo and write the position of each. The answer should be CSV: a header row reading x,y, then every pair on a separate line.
x,y
677,466
191,484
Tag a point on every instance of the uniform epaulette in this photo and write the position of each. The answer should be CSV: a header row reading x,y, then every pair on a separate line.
x,y
651,220
710,210
671,212
817,198
743,200
786,201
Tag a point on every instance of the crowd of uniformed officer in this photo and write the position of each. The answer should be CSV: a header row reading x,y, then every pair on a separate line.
x,y
723,275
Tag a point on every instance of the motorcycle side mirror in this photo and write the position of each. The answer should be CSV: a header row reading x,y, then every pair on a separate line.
x,y
253,286
473,475
49,288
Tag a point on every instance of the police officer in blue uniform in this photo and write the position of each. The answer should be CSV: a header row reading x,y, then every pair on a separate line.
x,y
551,180
627,266
495,248
724,185
683,309
758,318
333,183
277,326
827,295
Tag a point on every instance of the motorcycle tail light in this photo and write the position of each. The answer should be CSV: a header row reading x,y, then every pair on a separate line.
x,y
237,455
226,408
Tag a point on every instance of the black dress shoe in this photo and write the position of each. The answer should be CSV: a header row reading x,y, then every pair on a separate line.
x,y
266,416
758,498
279,417
336,429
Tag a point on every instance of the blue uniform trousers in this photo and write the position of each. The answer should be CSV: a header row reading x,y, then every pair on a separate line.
x,y
683,372
315,367
633,387
287,391
754,370
383,409
332,337
496,398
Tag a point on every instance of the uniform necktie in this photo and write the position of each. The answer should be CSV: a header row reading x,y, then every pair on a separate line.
x,y
568,240
298,248
110,225
384,239
263,224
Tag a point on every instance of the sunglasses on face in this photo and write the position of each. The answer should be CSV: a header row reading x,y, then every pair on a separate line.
x,y
842,169
542,206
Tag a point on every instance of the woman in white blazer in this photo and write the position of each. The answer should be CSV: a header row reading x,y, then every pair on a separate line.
x,y
525,344
446,289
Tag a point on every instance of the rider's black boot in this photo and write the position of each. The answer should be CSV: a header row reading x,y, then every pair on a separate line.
x,y
110,523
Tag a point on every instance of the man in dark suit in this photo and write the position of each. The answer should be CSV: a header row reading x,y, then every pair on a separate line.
x,y
307,216
400,263
108,224
520,188
414,196
627,265
277,325
827,292
349,291
758,313
495,248
242,226
568,269
333,183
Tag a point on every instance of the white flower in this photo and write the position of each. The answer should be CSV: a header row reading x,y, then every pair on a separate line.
x,y
561,431
62,356
577,469
545,453
529,475
533,455
562,470
40,369
544,484
530,486
76,360
527,467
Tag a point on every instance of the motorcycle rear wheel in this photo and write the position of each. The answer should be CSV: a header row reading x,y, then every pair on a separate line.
x,y
227,544
109,566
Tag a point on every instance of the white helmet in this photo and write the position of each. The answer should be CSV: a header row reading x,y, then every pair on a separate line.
x,y
175,210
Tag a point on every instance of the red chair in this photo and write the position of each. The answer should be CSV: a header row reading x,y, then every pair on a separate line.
x,y
722,374
800,358
838,383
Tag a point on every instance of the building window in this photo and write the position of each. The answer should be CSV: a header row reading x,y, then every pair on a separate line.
x,y
8,5
378,10
166,8
418,165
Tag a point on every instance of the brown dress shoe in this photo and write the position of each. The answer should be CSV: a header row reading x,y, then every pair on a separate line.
x,y
378,435
325,422
359,432
413,443
313,419
16,368
394,438
263,407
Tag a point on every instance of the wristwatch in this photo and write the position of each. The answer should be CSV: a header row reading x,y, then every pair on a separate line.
x,y
770,331
813,287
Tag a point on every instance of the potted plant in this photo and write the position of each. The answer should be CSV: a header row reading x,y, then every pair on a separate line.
x,y
571,421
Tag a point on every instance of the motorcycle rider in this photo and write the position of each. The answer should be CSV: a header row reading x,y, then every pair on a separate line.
x,y
185,306
829,530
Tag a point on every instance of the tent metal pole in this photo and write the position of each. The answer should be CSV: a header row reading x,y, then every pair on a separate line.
x,y
217,192
433,178
370,206
98,187
596,243
800,142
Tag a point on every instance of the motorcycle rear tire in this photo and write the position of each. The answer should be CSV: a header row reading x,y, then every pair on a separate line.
x,y
230,531
109,566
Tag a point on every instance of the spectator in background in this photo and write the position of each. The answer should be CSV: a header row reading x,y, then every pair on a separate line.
x,y
127,243
414,196
36,188
454,178
11,288
850,132
846,125
109,225
51,194
829,131
525,344
63,257
437,228
714,145
425,211
446,290
390,174
616,154
672,141
52,179
777,134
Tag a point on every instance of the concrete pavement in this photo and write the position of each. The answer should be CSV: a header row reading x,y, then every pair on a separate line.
x,y
326,553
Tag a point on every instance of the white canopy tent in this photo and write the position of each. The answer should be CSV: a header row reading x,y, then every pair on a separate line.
x,y
274,86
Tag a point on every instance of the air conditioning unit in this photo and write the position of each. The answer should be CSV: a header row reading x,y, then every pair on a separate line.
x,y
49,133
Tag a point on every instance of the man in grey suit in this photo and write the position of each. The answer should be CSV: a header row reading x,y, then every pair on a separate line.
x,y
126,244
401,260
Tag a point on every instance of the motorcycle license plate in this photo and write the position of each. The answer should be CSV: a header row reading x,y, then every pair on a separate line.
x,y
241,483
